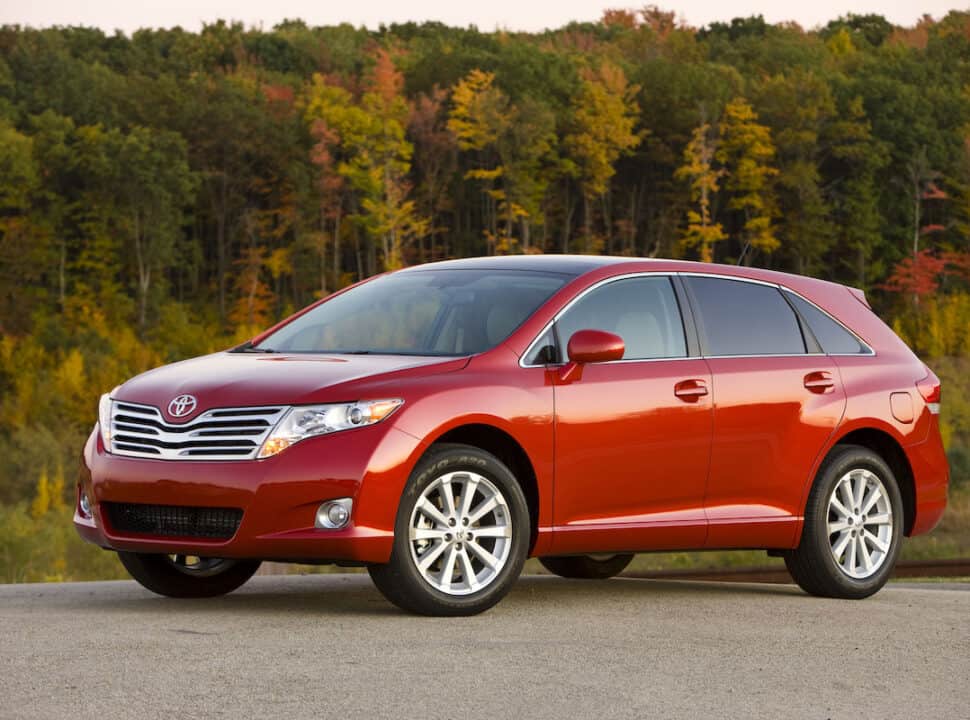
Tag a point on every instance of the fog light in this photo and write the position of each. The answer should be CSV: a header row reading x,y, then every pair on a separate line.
x,y
334,514
85,505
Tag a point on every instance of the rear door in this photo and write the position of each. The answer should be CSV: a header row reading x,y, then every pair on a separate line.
x,y
633,436
777,399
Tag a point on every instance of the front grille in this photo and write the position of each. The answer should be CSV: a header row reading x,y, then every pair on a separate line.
x,y
219,434
173,521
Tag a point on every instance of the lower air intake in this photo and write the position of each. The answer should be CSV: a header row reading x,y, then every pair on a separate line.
x,y
173,520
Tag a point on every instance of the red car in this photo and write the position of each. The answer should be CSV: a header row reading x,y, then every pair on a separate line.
x,y
442,423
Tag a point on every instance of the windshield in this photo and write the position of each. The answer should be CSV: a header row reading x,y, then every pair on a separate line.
x,y
420,312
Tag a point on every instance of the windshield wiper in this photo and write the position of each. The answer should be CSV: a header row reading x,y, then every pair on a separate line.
x,y
248,347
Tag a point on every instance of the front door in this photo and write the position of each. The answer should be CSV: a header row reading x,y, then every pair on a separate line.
x,y
633,436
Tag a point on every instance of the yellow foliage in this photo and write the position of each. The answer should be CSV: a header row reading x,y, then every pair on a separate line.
x,y
480,111
42,496
604,115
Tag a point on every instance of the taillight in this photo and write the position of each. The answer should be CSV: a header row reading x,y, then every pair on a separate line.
x,y
931,390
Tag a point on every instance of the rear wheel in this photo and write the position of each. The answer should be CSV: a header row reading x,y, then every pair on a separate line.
x,y
187,576
461,535
587,567
853,527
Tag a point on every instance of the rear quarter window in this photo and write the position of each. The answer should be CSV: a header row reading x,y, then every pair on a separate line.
x,y
831,335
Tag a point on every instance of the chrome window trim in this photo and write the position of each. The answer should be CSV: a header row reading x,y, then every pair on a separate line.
x,y
670,274
595,286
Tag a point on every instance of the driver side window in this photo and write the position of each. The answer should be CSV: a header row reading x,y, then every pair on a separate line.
x,y
641,310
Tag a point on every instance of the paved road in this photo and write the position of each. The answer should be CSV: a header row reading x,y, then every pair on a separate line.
x,y
328,646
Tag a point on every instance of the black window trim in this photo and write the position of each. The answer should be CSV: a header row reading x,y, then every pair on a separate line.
x,y
692,329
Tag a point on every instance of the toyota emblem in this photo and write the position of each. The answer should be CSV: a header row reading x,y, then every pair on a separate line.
x,y
182,405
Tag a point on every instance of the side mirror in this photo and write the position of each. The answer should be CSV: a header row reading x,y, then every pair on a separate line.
x,y
591,346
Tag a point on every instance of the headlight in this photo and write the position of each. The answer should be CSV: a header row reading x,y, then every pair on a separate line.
x,y
300,423
104,420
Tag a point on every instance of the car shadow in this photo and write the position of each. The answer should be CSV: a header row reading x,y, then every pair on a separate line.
x,y
355,595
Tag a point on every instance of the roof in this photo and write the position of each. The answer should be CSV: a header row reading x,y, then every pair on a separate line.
x,y
565,264
576,265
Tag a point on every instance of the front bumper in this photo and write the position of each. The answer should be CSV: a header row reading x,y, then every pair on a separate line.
x,y
278,496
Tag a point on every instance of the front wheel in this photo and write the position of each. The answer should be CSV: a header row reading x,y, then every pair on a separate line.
x,y
461,535
187,576
853,527
587,567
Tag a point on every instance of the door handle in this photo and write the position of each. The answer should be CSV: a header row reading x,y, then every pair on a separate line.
x,y
820,382
690,390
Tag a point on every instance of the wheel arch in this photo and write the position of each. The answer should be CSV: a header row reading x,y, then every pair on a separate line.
x,y
506,448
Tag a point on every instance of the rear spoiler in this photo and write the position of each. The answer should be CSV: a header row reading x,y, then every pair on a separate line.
x,y
859,295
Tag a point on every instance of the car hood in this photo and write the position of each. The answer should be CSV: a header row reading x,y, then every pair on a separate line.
x,y
229,379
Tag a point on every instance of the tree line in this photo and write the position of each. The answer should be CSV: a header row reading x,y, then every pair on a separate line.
x,y
168,193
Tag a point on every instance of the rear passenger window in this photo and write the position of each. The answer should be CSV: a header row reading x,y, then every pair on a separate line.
x,y
743,318
833,338
641,310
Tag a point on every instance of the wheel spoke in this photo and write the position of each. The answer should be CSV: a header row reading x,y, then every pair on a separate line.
x,y
840,544
874,496
493,531
849,563
874,540
447,497
467,571
839,508
845,487
427,533
859,489
427,508
448,568
467,495
838,526
882,519
484,555
483,509
427,559
864,552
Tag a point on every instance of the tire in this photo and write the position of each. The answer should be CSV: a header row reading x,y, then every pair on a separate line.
x,y
441,534
176,577
587,567
819,565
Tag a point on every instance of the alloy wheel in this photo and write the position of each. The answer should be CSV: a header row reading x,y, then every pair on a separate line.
x,y
860,523
460,533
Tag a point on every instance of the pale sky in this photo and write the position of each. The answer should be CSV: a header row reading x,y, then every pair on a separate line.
x,y
531,15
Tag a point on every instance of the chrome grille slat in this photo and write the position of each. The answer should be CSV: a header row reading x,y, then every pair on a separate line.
x,y
216,434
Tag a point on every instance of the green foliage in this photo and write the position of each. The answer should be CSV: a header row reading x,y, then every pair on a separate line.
x,y
171,193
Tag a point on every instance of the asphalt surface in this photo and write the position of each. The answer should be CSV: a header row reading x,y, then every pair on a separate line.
x,y
328,646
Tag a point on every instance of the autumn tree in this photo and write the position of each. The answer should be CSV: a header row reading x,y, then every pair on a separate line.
x,y
435,161
800,105
604,120
389,212
746,152
703,178
154,185
480,117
